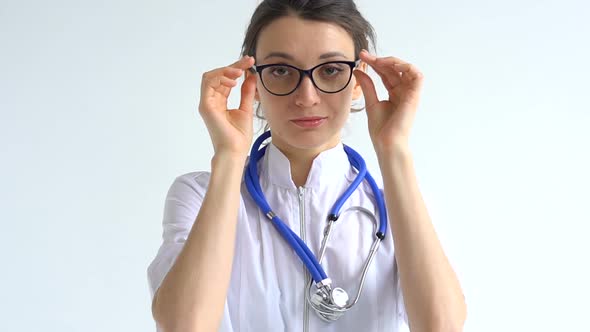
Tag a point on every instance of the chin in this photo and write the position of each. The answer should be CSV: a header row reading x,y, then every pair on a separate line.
x,y
309,139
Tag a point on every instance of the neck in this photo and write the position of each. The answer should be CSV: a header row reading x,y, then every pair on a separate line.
x,y
301,160
299,173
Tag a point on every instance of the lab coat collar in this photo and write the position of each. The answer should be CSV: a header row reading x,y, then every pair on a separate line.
x,y
329,166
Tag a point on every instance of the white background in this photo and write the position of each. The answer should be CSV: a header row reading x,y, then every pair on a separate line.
x,y
98,104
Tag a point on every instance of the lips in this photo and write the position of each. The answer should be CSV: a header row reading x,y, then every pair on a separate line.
x,y
309,121
309,118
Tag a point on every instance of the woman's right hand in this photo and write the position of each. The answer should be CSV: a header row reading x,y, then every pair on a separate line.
x,y
230,129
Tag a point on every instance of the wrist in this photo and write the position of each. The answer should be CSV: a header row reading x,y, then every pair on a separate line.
x,y
228,159
396,151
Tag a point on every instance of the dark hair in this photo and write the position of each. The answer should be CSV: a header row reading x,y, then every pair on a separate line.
x,y
341,12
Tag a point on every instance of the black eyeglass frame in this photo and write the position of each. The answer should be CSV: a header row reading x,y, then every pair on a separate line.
x,y
308,72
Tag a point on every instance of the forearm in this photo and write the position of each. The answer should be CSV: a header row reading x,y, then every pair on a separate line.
x,y
432,293
192,295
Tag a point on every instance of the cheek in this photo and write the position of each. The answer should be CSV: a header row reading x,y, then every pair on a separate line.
x,y
272,106
340,103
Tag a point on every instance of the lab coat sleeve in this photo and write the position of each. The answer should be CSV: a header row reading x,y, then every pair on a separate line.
x,y
402,315
183,201
182,204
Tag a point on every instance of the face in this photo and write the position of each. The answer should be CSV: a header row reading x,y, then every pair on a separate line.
x,y
305,44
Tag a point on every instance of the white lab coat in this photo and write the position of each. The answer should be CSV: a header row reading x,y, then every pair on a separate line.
x,y
266,291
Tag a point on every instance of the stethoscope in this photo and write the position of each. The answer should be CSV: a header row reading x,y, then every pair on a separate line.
x,y
329,303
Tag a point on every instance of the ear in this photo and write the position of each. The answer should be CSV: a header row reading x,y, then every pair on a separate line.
x,y
357,91
247,73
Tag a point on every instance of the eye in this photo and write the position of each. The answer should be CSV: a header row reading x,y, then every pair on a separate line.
x,y
280,71
331,70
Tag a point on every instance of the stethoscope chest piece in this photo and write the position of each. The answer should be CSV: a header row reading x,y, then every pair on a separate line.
x,y
336,299
339,297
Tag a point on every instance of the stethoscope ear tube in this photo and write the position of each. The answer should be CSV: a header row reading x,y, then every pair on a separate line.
x,y
357,162
380,207
308,258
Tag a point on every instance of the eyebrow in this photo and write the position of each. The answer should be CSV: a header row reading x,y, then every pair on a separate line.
x,y
290,57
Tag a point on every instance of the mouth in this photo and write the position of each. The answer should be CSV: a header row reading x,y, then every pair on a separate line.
x,y
309,122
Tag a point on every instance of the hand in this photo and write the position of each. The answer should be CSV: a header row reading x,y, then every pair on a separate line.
x,y
390,120
230,130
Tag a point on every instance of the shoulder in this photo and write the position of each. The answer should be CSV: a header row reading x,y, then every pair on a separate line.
x,y
189,187
195,180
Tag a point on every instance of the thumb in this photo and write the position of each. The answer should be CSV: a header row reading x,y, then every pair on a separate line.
x,y
248,91
368,88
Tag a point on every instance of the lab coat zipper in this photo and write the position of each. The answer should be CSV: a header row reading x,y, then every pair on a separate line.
x,y
306,279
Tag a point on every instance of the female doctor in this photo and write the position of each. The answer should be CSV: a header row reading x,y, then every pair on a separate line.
x,y
244,246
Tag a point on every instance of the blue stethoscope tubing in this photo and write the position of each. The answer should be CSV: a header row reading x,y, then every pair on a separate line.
x,y
301,249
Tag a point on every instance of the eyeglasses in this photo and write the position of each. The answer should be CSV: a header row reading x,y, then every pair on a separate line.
x,y
328,77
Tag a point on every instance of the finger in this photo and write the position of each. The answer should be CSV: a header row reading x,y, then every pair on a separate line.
x,y
244,63
387,81
409,71
381,61
368,88
229,78
212,82
248,92
232,72
227,82
212,85
388,74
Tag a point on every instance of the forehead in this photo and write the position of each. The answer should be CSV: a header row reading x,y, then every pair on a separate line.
x,y
304,40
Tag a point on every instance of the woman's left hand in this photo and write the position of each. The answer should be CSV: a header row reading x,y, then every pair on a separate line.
x,y
390,120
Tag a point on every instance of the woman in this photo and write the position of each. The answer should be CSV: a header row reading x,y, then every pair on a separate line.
x,y
224,266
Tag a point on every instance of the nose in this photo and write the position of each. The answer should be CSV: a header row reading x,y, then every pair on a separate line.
x,y
306,94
